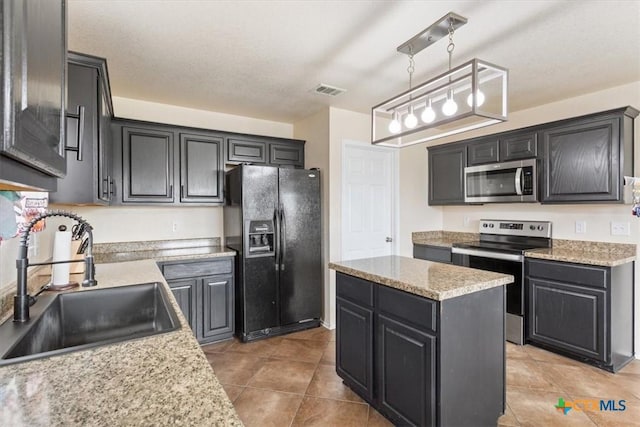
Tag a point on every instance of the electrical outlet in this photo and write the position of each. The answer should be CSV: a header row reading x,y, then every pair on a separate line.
x,y
620,228
581,227
174,226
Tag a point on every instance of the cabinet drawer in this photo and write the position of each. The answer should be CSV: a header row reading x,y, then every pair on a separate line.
x,y
584,275
432,253
354,289
415,309
193,269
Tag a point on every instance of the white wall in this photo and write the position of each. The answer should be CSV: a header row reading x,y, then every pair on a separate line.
x,y
115,224
315,130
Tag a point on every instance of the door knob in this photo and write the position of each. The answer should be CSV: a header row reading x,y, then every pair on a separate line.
x,y
388,240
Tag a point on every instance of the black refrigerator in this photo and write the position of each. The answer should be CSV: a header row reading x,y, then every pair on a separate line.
x,y
272,219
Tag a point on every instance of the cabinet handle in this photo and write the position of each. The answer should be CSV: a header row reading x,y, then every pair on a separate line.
x,y
80,117
112,187
105,186
181,191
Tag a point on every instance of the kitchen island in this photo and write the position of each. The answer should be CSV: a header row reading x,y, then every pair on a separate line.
x,y
423,342
158,380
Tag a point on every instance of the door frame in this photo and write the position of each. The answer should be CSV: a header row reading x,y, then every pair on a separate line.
x,y
349,144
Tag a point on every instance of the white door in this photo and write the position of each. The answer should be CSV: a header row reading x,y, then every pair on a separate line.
x,y
368,205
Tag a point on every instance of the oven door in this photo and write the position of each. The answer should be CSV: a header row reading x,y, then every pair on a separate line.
x,y
501,182
505,263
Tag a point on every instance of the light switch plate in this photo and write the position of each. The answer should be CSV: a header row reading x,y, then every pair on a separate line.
x,y
581,227
620,228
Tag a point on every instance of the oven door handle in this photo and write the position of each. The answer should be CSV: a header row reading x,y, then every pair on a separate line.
x,y
519,181
487,254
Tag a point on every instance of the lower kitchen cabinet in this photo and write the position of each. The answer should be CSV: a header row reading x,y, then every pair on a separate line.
x,y
415,359
204,290
432,253
582,311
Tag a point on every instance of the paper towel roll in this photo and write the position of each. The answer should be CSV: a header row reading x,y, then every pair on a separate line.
x,y
61,252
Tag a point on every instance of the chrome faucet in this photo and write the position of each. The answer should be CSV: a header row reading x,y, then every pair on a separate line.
x,y
23,300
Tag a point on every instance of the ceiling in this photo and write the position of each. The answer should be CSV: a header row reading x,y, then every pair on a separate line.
x,y
262,58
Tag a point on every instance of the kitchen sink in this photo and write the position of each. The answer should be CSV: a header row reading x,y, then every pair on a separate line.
x,y
80,320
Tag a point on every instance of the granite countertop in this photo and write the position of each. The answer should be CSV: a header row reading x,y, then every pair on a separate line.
x,y
584,252
158,380
442,238
432,280
161,250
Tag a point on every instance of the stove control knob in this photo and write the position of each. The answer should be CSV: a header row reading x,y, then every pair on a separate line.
x,y
485,225
540,227
532,227
490,225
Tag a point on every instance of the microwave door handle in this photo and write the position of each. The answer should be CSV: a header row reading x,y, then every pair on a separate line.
x,y
519,181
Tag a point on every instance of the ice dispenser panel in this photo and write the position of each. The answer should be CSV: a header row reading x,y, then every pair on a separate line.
x,y
259,238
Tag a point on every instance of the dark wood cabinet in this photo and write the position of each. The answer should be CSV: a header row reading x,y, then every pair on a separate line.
x,y
585,159
518,145
204,290
88,145
482,151
582,311
34,56
259,150
201,168
411,357
446,174
432,253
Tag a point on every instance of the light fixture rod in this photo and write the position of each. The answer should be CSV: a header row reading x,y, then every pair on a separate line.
x,y
432,34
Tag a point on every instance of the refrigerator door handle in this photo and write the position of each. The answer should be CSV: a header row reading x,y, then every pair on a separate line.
x,y
283,238
276,243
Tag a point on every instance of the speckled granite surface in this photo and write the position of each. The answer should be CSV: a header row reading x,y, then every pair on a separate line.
x,y
158,380
442,238
160,250
433,280
584,252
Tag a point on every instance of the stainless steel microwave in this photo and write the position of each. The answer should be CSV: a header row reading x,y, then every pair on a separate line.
x,y
501,182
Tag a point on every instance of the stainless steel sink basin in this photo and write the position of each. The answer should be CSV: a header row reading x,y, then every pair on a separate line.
x,y
80,320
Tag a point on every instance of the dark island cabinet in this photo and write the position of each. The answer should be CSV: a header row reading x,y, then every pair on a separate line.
x,y
89,178
582,311
260,150
34,56
446,174
585,159
204,290
411,357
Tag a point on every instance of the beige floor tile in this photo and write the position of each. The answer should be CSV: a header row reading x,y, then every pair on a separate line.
x,y
327,412
233,391
508,419
526,373
301,350
585,380
266,408
284,375
315,334
537,408
235,368
629,417
261,348
326,383
219,347
632,368
329,355
377,420
515,351
542,355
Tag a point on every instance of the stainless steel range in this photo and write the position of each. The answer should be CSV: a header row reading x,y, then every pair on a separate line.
x,y
501,249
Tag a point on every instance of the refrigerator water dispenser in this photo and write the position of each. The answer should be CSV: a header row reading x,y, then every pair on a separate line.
x,y
259,238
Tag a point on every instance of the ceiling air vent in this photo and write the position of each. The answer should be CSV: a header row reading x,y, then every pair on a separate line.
x,y
324,89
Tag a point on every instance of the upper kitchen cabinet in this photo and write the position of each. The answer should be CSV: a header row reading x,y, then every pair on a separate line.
x,y
162,164
482,151
585,159
34,49
446,174
259,150
502,147
89,111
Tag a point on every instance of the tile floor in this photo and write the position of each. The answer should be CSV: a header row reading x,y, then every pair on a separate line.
x,y
291,381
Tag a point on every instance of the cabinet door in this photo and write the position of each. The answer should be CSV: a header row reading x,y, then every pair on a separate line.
x,y
217,306
568,317
518,146
246,151
147,165
405,368
185,293
201,168
446,175
582,162
354,346
34,64
290,154
482,151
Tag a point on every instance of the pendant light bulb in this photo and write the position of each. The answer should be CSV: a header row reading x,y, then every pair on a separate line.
x,y
428,115
411,120
449,108
479,100
394,125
